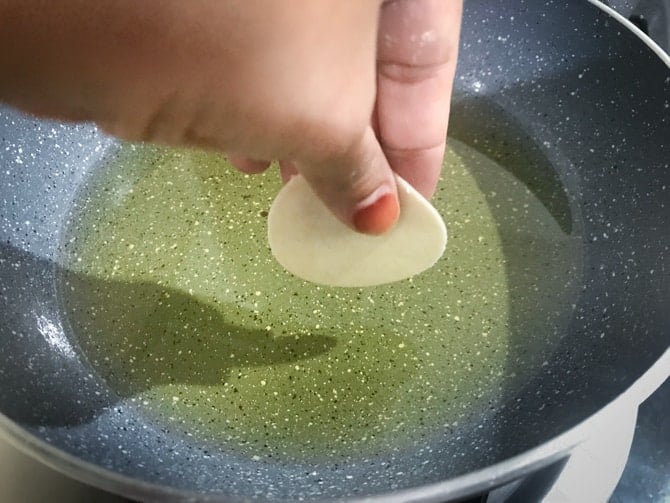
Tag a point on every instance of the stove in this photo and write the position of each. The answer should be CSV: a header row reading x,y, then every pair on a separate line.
x,y
651,16
628,461
646,477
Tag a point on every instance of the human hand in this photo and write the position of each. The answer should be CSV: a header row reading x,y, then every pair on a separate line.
x,y
289,80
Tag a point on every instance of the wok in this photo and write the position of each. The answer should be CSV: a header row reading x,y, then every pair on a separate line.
x,y
571,102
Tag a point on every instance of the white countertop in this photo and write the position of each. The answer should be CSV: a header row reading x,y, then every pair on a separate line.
x,y
24,480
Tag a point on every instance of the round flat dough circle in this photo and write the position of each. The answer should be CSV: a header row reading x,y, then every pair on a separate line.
x,y
308,241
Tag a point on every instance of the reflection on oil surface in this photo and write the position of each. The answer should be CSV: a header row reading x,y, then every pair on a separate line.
x,y
174,298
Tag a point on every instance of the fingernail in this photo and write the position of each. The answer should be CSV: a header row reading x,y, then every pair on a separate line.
x,y
377,213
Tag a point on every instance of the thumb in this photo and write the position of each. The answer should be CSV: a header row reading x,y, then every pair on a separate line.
x,y
358,187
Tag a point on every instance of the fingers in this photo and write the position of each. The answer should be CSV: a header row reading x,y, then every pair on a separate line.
x,y
247,165
287,170
417,52
359,187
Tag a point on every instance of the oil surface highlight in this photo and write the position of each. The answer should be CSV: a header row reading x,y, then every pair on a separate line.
x,y
174,298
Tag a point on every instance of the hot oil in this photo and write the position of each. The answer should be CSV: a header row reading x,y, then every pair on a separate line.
x,y
174,298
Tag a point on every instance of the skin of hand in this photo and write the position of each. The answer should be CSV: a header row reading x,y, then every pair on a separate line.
x,y
343,92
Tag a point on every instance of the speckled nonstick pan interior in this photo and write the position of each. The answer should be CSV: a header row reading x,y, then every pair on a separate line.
x,y
571,104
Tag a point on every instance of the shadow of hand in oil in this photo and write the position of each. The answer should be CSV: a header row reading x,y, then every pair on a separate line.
x,y
141,335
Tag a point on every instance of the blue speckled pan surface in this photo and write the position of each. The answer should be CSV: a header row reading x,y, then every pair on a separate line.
x,y
576,111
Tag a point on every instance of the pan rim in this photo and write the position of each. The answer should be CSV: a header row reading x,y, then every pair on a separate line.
x,y
460,486
658,50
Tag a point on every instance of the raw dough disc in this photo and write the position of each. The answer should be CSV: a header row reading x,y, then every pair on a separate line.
x,y
308,241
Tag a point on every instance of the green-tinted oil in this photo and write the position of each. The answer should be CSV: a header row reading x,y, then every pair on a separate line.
x,y
175,299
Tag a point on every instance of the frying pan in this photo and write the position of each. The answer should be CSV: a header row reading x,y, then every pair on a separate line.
x,y
572,102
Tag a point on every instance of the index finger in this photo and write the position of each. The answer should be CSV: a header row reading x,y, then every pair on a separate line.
x,y
416,62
